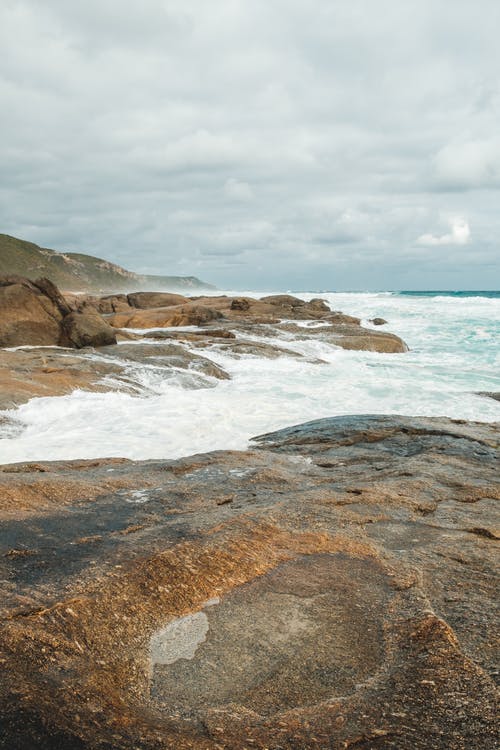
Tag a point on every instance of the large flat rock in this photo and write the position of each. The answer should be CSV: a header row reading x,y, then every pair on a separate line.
x,y
332,587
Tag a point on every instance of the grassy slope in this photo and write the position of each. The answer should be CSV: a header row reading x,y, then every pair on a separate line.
x,y
78,272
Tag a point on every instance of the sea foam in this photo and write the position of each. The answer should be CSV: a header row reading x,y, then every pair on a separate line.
x,y
453,354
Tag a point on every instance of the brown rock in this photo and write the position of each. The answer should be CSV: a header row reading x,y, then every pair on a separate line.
x,y
167,355
176,315
356,338
318,304
378,321
36,313
107,305
49,290
27,315
112,303
328,588
269,309
146,300
283,300
346,333
240,303
339,318
29,373
86,328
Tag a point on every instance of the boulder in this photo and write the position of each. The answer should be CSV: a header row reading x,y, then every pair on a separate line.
x,y
339,318
34,313
48,289
107,305
86,328
318,304
240,303
283,300
268,309
28,316
378,321
356,338
191,314
52,371
112,303
147,300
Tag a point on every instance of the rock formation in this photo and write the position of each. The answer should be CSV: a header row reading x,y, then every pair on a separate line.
x,y
238,312
57,372
36,313
332,587
29,314
190,314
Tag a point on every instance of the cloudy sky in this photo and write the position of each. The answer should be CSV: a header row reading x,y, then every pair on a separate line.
x,y
294,144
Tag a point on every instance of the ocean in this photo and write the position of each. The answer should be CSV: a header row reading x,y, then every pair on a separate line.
x,y
453,339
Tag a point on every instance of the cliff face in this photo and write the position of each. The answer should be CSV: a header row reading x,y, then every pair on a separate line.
x,y
79,272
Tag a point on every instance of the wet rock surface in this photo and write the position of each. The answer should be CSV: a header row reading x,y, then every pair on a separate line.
x,y
53,371
334,587
237,327
344,331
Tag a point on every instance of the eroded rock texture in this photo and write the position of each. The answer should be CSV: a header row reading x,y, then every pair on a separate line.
x,y
35,313
332,587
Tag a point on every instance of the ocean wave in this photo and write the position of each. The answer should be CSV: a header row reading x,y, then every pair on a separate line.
x,y
172,412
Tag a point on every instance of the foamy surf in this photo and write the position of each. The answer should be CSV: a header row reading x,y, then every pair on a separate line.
x,y
453,354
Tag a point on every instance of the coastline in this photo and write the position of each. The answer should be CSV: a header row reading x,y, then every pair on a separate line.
x,y
330,585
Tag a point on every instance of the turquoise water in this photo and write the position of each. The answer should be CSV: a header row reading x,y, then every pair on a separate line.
x,y
489,295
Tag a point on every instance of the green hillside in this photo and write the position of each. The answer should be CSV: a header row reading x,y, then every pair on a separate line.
x,y
82,273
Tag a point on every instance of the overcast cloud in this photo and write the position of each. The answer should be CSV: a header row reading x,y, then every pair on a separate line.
x,y
295,144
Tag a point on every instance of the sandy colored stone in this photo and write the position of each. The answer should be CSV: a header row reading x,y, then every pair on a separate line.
x,y
86,328
146,300
35,313
27,317
174,315
31,373
334,586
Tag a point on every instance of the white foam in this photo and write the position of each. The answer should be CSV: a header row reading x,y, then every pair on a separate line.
x,y
452,356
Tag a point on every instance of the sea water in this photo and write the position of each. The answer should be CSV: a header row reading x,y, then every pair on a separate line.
x,y
454,353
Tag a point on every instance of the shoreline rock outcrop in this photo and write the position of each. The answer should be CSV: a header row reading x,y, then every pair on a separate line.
x,y
334,586
57,372
35,313
344,331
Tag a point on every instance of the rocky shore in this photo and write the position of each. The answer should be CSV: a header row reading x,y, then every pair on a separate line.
x,y
79,335
332,587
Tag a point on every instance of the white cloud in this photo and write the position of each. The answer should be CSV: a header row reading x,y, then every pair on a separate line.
x,y
469,164
165,133
459,234
238,191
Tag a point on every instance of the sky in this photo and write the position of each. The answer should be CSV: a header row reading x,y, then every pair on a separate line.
x,y
265,144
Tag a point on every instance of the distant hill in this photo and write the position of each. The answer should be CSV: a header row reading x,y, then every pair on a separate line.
x,y
77,272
